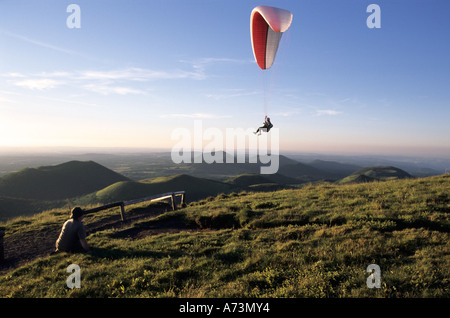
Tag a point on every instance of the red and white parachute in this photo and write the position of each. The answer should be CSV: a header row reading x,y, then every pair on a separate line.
x,y
267,25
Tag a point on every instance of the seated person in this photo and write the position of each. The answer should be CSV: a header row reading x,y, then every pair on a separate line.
x,y
73,234
267,124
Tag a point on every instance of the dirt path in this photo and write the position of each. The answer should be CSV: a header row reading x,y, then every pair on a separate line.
x,y
24,247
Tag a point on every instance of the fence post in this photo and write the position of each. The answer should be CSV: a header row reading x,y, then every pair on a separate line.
x,y
122,211
173,202
2,250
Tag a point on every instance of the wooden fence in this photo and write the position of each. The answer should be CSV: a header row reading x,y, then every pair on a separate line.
x,y
153,198
158,197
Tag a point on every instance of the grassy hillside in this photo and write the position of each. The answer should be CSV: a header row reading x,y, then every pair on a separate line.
x,y
316,241
14,207
369,174
61,181
305,173
33,190
196,188
246,180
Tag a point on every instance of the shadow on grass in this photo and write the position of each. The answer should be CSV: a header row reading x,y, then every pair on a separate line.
x,y
112,254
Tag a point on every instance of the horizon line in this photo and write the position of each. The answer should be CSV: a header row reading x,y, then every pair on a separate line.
x,y
80,150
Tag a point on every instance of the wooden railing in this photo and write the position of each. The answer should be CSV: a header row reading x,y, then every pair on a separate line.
x,y
153,198
122,205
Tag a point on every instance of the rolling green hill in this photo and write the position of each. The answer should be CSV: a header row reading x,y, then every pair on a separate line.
x,y
196,188
33,190
369,174
261,183
316,241
287,167
245,180
57,182
305,173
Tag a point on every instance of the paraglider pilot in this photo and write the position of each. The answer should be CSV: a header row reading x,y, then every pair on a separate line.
x,y
267,124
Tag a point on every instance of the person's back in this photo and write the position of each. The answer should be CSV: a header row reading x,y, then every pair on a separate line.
x,y
73,234
268,124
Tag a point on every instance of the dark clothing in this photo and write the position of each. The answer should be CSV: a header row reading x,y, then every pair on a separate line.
x,y
69,238
267,124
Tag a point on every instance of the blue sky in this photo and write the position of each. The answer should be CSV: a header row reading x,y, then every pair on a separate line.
x,y
137,70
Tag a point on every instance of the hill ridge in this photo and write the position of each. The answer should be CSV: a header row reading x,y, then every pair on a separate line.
x,y
196,188
61,181
375,173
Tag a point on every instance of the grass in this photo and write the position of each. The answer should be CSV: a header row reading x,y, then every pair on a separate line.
x,y
129,190
316,241
378,173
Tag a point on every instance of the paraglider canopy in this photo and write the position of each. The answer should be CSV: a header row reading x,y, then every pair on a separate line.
x,y
267,25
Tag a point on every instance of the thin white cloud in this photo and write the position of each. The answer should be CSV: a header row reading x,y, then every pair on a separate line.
x,y
55,74
38,84
136,74
120,82
14,75
6,100
200,65
116,81
5,97
73,99
106,89
42,44
67,101
327,112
